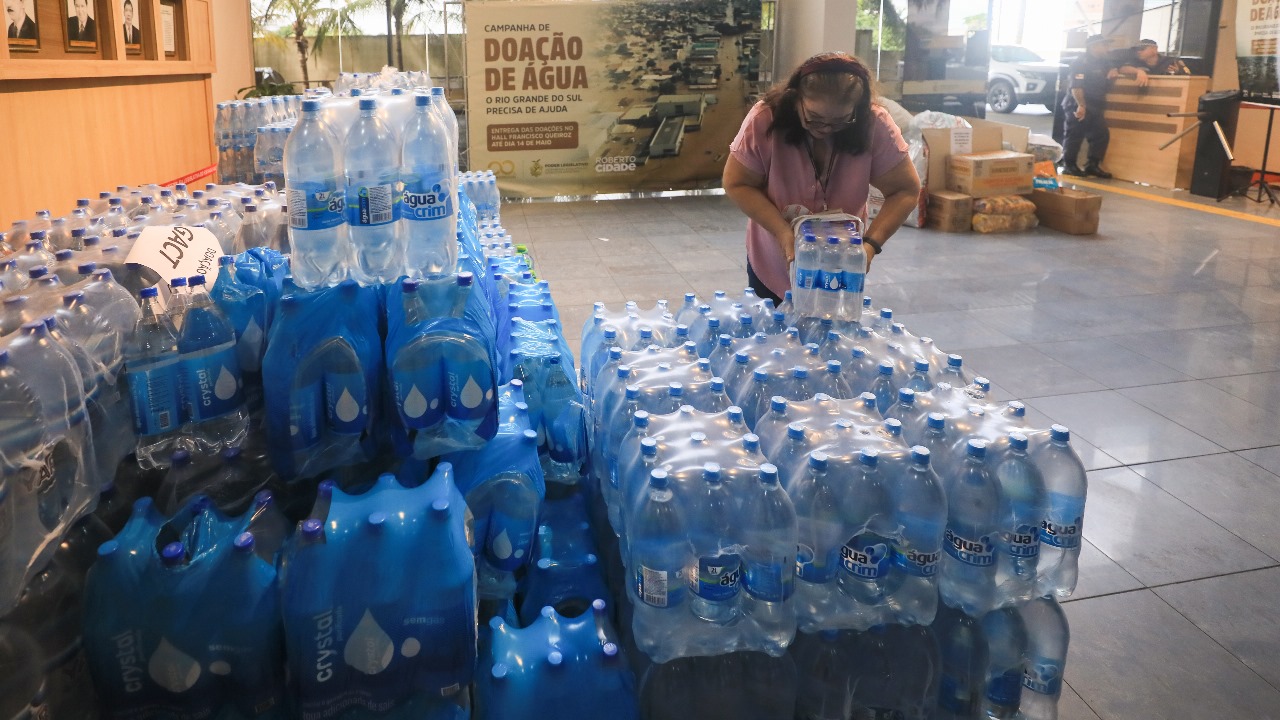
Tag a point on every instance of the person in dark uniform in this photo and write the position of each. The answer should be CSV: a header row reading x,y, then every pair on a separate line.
x,y
1144,60
1086,106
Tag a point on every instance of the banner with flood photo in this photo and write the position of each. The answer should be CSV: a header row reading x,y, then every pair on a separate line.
x,y
580,97
1257,48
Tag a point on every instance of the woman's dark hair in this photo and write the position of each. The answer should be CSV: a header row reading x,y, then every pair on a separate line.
x,y
834,75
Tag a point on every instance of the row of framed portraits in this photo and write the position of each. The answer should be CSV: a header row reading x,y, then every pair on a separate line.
x,y
83,34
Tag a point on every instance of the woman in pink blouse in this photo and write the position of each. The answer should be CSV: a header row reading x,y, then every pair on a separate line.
x,y
814,145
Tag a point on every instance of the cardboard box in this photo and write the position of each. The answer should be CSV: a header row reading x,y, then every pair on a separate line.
x,y
950,211
985,174
1074,212
984,136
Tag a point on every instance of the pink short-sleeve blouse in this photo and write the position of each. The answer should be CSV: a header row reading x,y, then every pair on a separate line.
x,y
792,185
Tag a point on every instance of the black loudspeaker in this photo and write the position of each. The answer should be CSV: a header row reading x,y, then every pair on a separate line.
x,y
1211,174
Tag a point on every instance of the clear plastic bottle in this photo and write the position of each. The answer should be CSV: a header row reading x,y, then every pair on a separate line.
x,y
659,551
371,157
1066,486
968,575
821,534
1048,636
151,373
1024,509
209,376
430,200
920,512
808,270
716,569
964,664
853,266
768,526
1006,658
315,179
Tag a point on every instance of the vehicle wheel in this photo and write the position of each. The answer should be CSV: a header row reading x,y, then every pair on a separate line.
x,y
1001,97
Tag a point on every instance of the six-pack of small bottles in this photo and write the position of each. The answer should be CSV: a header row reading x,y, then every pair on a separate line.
x,y
767,471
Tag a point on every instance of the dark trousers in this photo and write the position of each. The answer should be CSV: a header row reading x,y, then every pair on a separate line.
x,y
1093,128
760,288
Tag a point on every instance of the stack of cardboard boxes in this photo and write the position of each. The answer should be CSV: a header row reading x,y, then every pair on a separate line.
x,y
968,163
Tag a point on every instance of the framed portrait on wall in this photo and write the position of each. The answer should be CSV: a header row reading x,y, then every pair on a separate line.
x,y
129,14
20,24
82,27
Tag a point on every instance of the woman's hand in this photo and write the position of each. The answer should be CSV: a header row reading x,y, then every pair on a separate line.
x,y
871,252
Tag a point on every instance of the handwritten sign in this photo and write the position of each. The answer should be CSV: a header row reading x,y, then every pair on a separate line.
x,y
178,251
961,141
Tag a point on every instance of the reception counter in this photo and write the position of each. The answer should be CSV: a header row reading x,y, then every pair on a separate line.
x,y
1139,125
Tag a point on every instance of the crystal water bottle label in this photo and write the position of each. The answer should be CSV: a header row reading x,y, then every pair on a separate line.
x,y
830,281
306,415
346,407
657,588
317,205
815,568
768,581
154,393
866,557
1005,689
470,389
979,551
426,198
210,384
418,405
718,577
510,541
853,281
373,204
1064,523
917,562
1023,541
1043,676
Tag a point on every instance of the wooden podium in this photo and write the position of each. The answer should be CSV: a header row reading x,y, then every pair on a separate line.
x,y
1139,122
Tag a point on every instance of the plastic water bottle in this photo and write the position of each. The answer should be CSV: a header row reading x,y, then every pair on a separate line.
x,y
768,523
659,555
429,204
884,387
968,574
441,103
315,178
1047,638
1006,658
868,574
716,571
151,372
830,279
821,536
964,664
1066,486
853,265
371,158
920,512
209,376
1022,488
808,270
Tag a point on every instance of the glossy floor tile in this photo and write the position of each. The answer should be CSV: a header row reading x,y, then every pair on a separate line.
x,y
1156,341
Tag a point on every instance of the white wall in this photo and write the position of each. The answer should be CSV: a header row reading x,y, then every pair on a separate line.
x,y
232,48
808,27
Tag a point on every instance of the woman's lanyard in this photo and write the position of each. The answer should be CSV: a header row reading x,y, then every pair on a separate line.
x,y
822,177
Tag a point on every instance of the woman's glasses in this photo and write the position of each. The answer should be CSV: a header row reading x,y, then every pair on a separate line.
x,y
826,124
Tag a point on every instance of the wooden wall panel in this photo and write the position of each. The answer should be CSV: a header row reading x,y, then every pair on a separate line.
x,y
70,138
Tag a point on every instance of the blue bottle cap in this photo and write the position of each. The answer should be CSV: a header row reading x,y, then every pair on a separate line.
x,y
225,260
717,385
658,479
868,397
609,649
178,282
742,358
795,431
465,279
147,292
751,442
937,421
886,367
712,323
244,542
531,436
778,404
624,371
610,332
195,280
554,360
88,268
907,396
921,365
648,447
744,319
633,392
368,103
735,414
976,448
869,457
920,455
768,474
818,460
108,548
697,438
641,418
173,554
1017,409
983,384
180,457
675,389
63,255
954,360
760,375
421,100
1060,433
893,426
682,331
711,472
858,352
499,670
1017,441
800,373
37,272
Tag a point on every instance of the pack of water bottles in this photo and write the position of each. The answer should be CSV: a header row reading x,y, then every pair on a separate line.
x,y
183,616
830,267
386,79
250,136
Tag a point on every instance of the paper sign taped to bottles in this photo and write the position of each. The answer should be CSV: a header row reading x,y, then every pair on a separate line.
x,y
178,251
961,141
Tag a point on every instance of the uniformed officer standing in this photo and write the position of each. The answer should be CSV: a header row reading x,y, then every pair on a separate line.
x,y
1086,106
